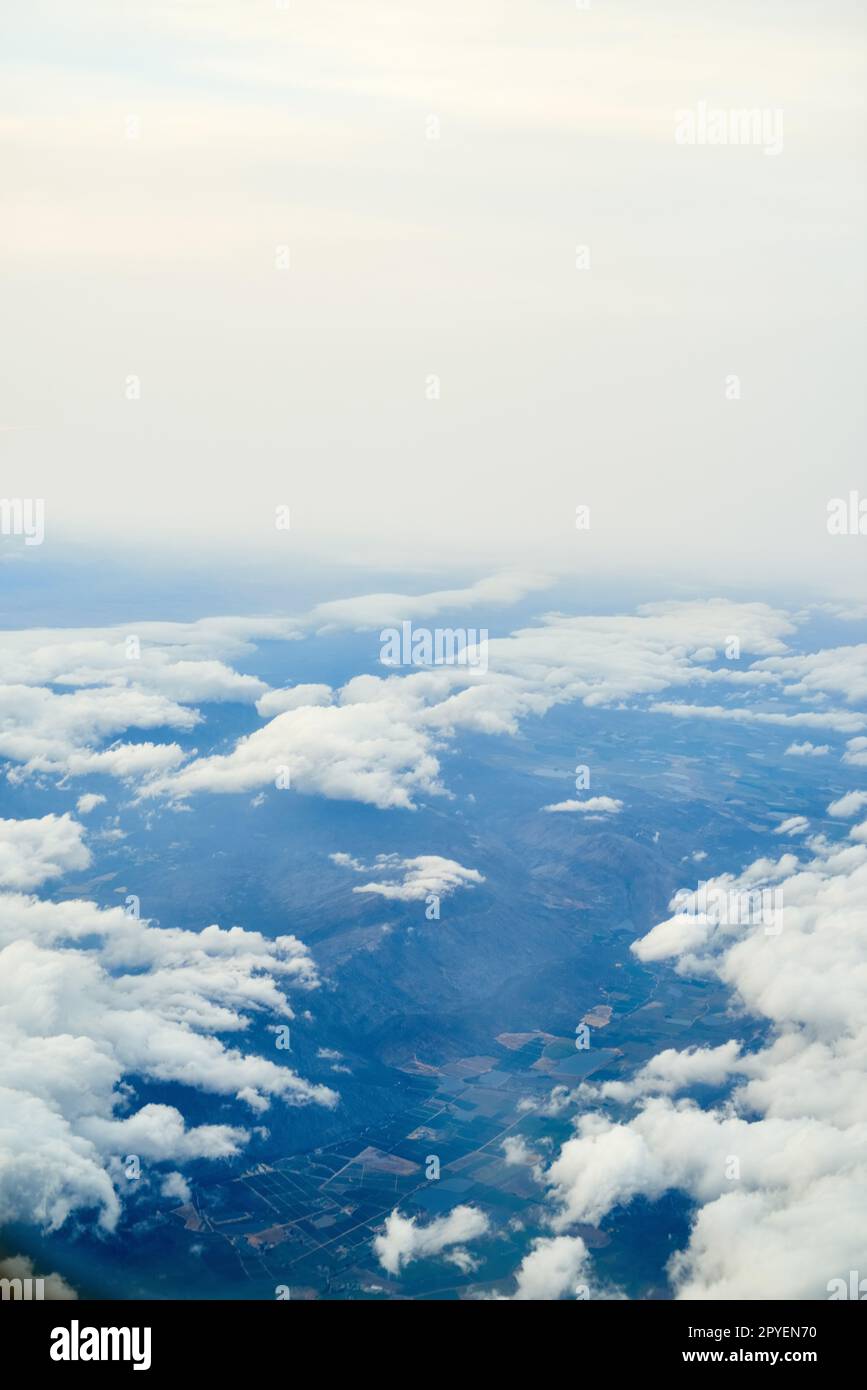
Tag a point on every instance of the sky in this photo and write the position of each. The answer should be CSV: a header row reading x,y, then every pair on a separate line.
x,y
330,316
432,278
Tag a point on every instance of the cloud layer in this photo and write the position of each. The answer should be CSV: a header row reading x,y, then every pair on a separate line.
x,y
378,739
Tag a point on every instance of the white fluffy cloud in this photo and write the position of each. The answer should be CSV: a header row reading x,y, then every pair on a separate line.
x,y
370,747
671,1071
556,1267
88,802
46,732
848,805
294,697
181,661
778,1172
793,825
856,752
834,671
64,691
807,750
32,851
412,880
606,805
175,1186
126,760
405,1238
517,1153
90,999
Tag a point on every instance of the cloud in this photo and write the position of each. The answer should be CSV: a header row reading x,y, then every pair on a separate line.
x,y
64,690
294,697
369,747
88,802
556,1267
517,1153
793,825
836,671
807,750
839,720
126,760
856,752
346,861
183,662
47,732
377,739
55,1288
158,1134
674,1070
175,1186
90,1000
419,876
389,610
32,851
606,804
463,1260
848,805
776,1171
374,740
406,1239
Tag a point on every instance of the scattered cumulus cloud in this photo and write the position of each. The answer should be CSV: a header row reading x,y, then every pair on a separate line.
x,y
848,805
600,805
856,752
794,1214
555,1267
406,1238
175,1186
793,825
32,851
807,750
414,879
517,1152
91,999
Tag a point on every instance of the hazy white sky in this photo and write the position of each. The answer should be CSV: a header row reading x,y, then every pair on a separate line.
x,y
156,156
